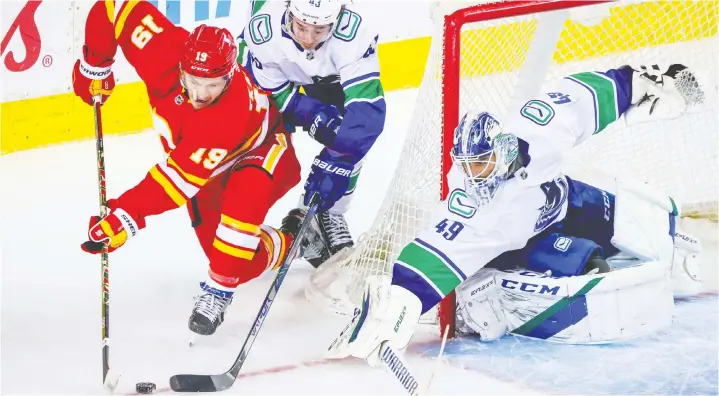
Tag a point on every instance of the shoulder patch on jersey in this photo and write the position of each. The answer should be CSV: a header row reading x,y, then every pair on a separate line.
x,y
538,112
260,29
348,25
556,193
460,203
372,49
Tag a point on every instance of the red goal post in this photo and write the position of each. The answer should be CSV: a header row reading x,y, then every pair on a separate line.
x,y
451,76
492,56
453,24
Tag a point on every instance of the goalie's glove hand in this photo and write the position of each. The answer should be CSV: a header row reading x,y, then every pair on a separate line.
x,y
92,78
329,178
114,230
324,125
661,92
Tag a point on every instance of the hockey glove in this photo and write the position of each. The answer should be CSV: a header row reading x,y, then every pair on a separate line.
x,y
90,81
661,92
114,230
329,178
325,125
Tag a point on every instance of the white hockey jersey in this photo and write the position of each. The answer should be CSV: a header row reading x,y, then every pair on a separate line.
x,y
280,65
463,237
343,71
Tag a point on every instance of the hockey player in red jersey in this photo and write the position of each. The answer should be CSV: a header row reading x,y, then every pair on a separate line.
x,y
229,157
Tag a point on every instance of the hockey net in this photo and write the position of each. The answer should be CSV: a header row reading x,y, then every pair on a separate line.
x,y
492,56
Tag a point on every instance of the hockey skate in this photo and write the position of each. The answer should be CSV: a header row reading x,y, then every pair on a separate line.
x,y
335,231
328,235
209,311
313,247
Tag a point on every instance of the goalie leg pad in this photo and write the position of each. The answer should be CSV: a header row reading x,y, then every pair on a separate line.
x,y
685,274
644,223
388,313
479,309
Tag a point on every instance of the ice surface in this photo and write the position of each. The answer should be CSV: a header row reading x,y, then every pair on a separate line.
x,y
51,341
679,361
51,319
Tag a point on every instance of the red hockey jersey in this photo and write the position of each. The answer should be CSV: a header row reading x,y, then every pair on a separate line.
x,y
200,143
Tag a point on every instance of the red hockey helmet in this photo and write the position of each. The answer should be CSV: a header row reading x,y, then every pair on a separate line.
x,y
209,52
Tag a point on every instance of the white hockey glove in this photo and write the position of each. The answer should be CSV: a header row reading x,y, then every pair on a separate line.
x,y
388,313
662,92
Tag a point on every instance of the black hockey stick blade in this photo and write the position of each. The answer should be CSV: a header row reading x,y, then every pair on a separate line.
x,y
220,382
201,383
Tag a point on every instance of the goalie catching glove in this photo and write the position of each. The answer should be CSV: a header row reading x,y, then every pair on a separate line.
x,y
388,313
661,92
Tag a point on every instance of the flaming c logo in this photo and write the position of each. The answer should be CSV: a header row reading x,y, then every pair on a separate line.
x,y
30,36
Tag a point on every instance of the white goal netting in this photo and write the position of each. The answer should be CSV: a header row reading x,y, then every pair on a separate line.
x,y
504,60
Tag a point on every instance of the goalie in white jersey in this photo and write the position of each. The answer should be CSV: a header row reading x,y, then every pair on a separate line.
x,y
328,50
510,203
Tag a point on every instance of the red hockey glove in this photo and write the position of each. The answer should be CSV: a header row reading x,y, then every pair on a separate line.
x,y
90,81
114,230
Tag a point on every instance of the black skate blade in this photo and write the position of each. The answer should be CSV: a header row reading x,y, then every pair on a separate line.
x,y
201,383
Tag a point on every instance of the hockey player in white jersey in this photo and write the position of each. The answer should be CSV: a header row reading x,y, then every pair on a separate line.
x,y
510,200
328,50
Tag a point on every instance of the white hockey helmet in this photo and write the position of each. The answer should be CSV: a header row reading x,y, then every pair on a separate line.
x,y
316,12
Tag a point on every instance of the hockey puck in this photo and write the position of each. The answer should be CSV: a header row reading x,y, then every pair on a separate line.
x,y
145,387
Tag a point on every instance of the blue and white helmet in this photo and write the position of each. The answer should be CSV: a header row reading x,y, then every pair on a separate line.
x,y
483,153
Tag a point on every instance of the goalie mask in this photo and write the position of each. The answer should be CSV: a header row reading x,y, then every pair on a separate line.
x,y
483,153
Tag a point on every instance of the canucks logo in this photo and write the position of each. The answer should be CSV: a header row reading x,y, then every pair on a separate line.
x,y
556,192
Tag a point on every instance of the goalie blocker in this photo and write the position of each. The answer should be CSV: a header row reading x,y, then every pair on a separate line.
x,y
656,262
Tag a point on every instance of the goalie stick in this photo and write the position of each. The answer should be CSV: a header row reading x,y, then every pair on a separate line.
x,y
220,382
404,374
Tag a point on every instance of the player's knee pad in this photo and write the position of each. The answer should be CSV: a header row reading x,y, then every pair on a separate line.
x,y
479,309
563,255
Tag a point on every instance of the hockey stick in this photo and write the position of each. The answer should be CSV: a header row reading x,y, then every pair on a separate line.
x,y
220,382
404,374
109,379
399,369
437,363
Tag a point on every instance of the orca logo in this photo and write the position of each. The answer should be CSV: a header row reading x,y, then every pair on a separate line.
x,y
556,192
